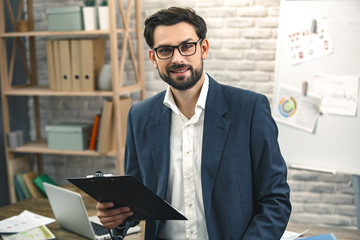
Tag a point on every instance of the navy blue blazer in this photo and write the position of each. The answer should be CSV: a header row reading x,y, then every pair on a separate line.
x,y
243,174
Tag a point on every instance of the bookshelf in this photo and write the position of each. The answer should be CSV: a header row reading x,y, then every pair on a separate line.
x,y
118,56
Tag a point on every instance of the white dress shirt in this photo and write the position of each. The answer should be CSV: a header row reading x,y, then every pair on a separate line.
x,y
184,190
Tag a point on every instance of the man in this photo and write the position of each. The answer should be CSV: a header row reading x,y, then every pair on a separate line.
x,y
210,150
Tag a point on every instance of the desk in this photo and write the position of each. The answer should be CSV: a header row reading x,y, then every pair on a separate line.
x,y
41,206
340,233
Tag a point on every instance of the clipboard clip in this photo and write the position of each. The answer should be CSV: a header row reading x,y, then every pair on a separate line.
x,y
313,27
99,174
304,87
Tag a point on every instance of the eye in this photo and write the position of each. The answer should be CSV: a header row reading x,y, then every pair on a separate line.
x,y
164,50
186,46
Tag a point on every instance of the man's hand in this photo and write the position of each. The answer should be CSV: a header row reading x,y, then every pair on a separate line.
x,y
112,217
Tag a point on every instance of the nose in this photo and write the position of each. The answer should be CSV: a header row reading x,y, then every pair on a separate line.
x,y
177,57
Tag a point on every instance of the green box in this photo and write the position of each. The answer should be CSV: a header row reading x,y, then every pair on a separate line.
x,y
65,19
69,136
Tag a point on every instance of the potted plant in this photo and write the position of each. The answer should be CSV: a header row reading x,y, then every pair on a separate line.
x,y
89,15
89,3
103,13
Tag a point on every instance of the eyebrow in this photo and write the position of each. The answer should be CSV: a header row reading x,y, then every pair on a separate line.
x,y
165,45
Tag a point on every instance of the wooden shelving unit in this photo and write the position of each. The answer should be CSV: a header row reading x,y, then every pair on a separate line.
x,y
40,146
117,57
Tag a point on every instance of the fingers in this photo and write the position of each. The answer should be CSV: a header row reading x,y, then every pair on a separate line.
x,y
104,205
112,217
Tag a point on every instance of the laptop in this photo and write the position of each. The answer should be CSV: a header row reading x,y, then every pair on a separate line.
x,y
70,213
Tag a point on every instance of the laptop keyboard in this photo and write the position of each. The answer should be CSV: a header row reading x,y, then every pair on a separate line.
x,y
99,229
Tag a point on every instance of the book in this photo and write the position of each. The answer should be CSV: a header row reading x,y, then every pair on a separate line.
x,y
39,182
106,134
106,125
28,178
15,166
94,133
19,195
22,185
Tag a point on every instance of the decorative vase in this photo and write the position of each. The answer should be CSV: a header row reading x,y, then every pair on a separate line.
x,y
103,13
105,78
90,18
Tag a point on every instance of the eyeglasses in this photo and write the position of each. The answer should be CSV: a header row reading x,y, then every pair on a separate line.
x,y
185,49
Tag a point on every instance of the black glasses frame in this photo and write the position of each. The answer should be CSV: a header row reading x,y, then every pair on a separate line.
x,y
173,49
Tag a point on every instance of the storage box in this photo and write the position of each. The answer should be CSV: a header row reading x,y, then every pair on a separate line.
x,y
68,136
65,19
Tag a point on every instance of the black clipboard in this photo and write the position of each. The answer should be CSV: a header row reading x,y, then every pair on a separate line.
x,y
128,191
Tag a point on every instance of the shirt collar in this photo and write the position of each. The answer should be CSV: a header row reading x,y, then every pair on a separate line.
x,y
200,104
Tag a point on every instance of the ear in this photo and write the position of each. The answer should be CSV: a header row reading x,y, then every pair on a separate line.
x,y
204,48
152,57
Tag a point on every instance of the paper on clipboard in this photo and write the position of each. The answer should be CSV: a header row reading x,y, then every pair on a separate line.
x,y
127,191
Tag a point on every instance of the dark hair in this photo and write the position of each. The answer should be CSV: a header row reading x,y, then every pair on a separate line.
x,y
172,16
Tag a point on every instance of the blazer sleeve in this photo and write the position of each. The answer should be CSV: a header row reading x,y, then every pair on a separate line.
x,y
131,164
271,192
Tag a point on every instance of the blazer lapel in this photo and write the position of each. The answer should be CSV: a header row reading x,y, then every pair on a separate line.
x,y
159,130
216,129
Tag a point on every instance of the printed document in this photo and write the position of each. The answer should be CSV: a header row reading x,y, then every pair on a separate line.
x,y
23,222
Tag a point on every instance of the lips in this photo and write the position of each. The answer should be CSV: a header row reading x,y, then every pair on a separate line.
x,y
179,69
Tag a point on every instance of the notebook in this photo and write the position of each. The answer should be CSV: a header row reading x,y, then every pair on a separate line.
x,y
70,213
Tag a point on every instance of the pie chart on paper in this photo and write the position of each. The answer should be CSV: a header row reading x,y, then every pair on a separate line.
x,y
287,107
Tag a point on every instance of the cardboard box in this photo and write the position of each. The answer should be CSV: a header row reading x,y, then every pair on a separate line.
x,y
68,136
65,19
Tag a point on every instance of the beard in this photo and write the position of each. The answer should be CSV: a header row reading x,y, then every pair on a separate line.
x,y
182,83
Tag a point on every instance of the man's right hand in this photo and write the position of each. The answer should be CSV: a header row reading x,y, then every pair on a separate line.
x,y
112,217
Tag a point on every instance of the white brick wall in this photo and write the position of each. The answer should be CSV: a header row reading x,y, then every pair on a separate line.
x,y
242,36
320,198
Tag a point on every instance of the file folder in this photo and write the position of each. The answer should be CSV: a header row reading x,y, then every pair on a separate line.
x,y
75,64
106,127
99,56
87,65
65,65
127,191
51,65
57,66
92,59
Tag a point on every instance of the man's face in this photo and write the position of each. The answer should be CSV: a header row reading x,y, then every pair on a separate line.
x,y
180,72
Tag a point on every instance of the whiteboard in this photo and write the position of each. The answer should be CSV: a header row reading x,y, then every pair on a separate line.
x,y
335,144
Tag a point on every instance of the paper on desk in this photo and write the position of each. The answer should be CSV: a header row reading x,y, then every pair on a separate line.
x,y
23,222
39,233
288,235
